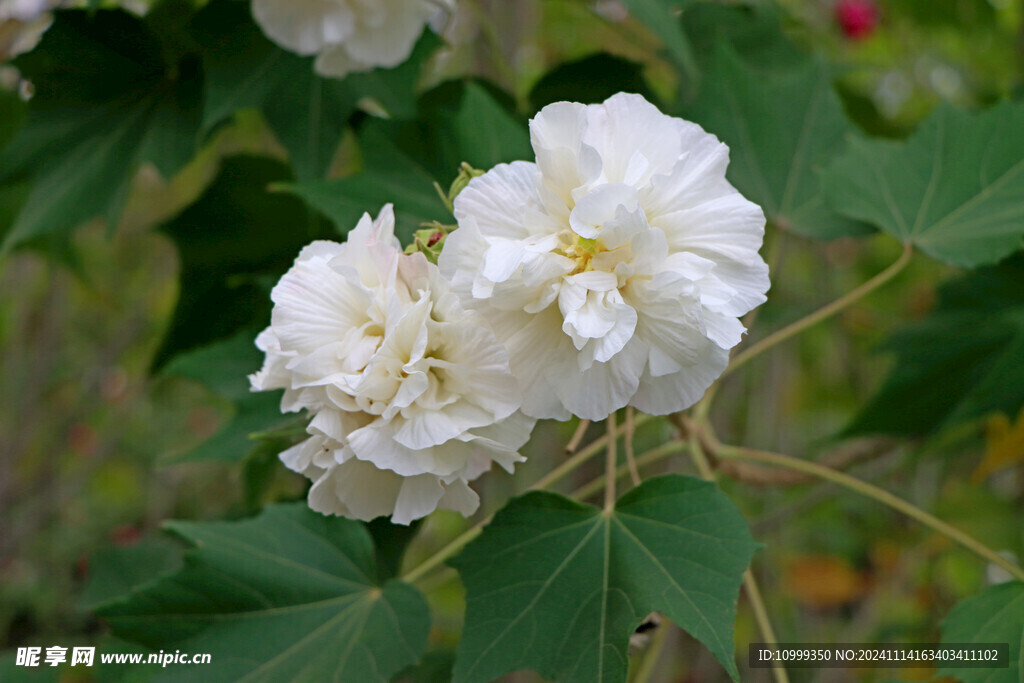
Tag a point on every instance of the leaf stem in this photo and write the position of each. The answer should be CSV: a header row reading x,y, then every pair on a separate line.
x,y
700,459
611,462
879,494
591,449
823,313
651,456
447,551
764,624
577,436
634,472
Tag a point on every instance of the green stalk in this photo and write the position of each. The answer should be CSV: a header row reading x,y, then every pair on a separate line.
x,y
823,313
879,494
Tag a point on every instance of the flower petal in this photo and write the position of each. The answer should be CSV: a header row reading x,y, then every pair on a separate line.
x,y
604,387
417,498
677,391
304,26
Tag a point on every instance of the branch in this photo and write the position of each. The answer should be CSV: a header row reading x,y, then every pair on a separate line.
x,y
840,459
823,313
862,487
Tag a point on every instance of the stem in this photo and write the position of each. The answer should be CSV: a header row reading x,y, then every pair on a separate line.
x,y
437,579
703,407
764,624
879,494
444,197
653,455
822,313
577,436
611,462
634,472
555,475
444,553
700,459
650,660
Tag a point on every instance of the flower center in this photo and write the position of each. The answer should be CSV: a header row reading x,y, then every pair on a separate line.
x,y
582,251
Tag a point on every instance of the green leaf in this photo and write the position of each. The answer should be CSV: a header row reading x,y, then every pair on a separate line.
x,y
236,232
781,128
11,672
590,80
460,121
12,198
288,595
662,18
434,667
246,70
12,115
224,367
753,32
961,15
954,189
558,587
959,363
116,570
111,646
262,464
389,176
306,112
994,616
105,101
395,90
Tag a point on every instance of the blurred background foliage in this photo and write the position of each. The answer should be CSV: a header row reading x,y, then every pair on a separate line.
x,y
96,449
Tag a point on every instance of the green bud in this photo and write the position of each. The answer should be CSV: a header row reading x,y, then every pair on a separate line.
x,y
466,173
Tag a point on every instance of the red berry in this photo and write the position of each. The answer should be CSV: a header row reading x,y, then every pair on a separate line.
x,y
857,18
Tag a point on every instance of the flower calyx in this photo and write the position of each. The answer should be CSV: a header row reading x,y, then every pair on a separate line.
x,y
430,240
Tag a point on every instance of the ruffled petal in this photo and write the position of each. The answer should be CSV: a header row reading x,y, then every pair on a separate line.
x,y
652,256
604,387
679,390
499,201
418,497
460,498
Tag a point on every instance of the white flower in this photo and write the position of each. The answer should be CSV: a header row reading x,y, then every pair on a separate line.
x,y
412,395
615,268
347,35
23,10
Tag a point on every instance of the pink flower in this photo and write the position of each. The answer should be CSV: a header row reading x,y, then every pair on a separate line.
x,y
857,18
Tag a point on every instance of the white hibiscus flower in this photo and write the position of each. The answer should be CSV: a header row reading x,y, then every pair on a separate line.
x,y
23,10
412,396
346,35
614,268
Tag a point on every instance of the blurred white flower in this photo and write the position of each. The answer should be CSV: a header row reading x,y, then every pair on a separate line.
x,y
22,25
412,395
614,268
346,35
23,10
